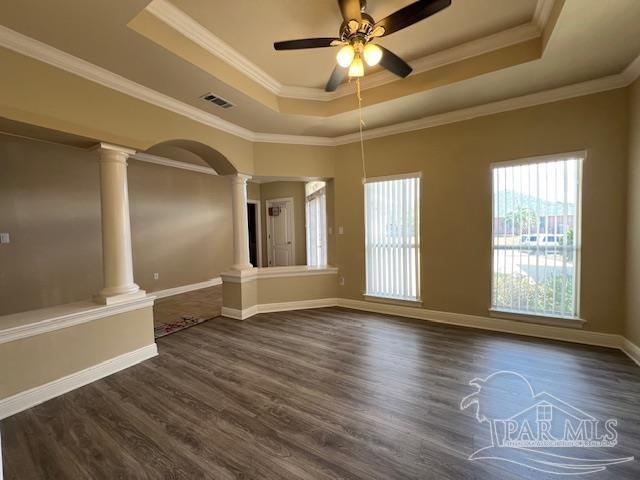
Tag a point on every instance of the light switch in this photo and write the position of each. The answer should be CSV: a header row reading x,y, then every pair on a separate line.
x,y
156,276
340,230
4,238
330,230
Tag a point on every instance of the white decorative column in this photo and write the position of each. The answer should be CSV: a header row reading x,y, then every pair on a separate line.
x,y
117,261
240,222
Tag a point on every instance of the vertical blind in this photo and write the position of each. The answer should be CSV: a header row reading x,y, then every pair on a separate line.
x,y
317,228
536,237
392,237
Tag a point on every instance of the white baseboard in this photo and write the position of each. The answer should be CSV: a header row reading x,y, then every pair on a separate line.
x,y
567,334
632,350
489,323
238,314
187,288
30,398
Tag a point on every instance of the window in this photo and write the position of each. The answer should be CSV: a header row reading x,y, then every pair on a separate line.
x,y
544,412
392,237
536,236
316,201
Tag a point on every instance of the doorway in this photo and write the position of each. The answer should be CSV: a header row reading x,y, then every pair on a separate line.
x,y
255,233
280,233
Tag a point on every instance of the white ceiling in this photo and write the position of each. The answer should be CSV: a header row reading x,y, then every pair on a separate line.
x,y
251,27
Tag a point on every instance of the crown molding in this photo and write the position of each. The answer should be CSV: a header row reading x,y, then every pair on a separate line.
x,y
45,53
548,96
194,31
293,139
451,55
632,72
542,13
167,162
164,11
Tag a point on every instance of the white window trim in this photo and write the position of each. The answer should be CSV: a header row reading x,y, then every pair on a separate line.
x,y
555,320
318,193
391,299
386,178
541,159
530,317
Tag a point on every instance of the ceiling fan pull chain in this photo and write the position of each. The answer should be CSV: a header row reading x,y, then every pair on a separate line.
x,y
361,123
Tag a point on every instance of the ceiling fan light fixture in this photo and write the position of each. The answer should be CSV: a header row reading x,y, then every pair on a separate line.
x,y
372,54
357,68
345,56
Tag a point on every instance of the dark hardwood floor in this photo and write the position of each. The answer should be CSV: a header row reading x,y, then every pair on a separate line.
x,y
316,394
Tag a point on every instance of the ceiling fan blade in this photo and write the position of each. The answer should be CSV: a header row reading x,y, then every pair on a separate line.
x,y
394,63
306,43
337,77
411,14
350,9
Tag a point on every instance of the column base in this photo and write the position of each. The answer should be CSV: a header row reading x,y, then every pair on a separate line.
x,y
121,298
242,266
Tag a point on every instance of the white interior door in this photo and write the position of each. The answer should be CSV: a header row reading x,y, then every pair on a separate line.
x,y
280,241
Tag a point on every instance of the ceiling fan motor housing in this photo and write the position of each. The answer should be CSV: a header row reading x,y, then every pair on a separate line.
x,y
354,30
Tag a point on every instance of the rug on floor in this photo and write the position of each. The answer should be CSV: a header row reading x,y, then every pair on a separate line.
x,y
162,329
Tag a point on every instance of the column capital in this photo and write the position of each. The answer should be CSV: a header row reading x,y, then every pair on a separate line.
x,y
240,178
117,149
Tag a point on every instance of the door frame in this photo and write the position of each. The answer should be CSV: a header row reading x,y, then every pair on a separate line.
x,y
268,203
258,231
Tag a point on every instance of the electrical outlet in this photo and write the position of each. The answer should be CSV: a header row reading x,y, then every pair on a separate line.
x,y
341,281
4,238
156,276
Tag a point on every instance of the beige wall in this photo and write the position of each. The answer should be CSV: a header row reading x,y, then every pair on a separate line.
x,y
263,291
50,205
276,159
295,190
293,289
101,113
85,108
632,327
40,359
240,296
253,191
180,225
456,200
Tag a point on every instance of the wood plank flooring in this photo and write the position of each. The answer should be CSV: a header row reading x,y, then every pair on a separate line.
x,y
316,394
169,312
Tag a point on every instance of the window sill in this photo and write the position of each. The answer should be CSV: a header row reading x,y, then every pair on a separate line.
x,y
392,301
571,322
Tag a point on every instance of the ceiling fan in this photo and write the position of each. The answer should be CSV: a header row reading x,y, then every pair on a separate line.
x,y
357,32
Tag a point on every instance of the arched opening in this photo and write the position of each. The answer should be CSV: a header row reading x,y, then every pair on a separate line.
x,y
183,232
191,151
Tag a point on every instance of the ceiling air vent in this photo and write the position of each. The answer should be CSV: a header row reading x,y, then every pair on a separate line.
x,y
221,102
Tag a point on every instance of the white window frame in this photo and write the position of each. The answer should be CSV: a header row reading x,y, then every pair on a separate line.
x,y
321,195
541,317
369,294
